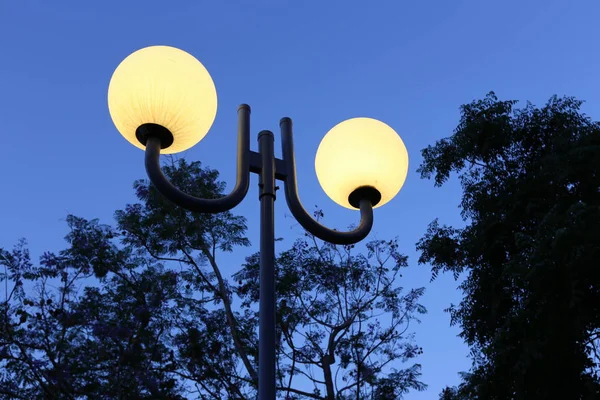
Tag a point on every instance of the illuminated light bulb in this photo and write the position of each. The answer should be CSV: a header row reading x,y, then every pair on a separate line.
x,y
361,153
164,86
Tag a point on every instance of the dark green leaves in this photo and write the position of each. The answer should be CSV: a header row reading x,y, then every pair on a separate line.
x,y
530,250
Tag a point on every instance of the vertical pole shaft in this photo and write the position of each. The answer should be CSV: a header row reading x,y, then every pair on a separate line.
x,y
266,338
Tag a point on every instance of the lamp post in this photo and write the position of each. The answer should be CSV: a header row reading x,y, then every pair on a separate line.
x,y
163,100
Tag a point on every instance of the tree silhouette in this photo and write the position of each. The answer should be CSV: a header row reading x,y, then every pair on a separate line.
x,y
146,310
529,252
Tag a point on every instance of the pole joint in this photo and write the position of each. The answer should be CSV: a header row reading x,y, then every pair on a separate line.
x,y
266,184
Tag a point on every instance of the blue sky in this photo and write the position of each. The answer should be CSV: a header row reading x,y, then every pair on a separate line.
x,y
410,64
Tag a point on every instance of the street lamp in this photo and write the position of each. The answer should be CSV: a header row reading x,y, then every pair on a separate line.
x,y
163,100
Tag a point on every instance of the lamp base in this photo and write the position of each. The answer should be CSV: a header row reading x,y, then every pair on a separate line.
x,y
144,131
364,192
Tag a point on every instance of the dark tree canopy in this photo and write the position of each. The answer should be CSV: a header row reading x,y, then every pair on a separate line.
x,y
145,310
530,249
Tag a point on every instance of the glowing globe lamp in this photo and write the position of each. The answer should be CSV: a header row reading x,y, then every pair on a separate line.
x,y
358,156
164,90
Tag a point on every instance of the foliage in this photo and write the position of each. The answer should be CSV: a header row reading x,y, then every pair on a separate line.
x,y
145,311
529,252
330,304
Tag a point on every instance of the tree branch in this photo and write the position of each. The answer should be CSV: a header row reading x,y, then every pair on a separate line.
x,y
231,321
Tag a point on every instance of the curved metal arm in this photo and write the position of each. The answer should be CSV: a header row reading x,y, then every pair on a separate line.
x,y
152,161
300,213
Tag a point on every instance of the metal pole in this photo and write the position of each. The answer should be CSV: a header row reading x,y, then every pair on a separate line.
x,y
266,338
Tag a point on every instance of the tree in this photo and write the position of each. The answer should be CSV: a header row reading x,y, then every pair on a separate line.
x,y
529,251
330,302
144,310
